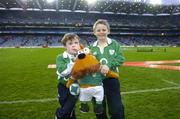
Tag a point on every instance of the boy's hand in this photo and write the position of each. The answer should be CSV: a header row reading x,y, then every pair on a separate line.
x,y
69,82
104,69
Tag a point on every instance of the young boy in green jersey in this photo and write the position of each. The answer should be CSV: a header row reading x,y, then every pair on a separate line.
x,y
108,52
64,64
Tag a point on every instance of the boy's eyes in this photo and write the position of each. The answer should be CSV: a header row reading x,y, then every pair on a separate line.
x,y
70,43
101,30
76,42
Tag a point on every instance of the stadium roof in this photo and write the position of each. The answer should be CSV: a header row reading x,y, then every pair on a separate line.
x,y
132,7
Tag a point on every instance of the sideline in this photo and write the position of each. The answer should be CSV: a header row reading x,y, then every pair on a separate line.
x,y
146,64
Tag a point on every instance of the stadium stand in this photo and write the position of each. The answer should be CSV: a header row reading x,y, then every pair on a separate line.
x,y
132,23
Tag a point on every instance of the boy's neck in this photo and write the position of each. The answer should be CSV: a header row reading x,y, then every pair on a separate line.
x,y
71,54
72,57
102,42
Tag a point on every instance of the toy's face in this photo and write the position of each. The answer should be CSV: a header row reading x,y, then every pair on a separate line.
x,y
85,63
83,53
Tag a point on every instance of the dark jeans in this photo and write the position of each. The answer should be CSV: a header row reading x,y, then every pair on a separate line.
x,y
67,102
113,100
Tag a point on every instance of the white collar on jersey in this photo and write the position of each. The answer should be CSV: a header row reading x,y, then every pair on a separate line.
x,y
67,55
109,41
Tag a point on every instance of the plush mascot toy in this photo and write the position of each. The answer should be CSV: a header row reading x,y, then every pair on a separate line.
x,y
86,71
86,63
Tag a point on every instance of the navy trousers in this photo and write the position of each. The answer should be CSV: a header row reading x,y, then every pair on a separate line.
x,y
113,100
67,102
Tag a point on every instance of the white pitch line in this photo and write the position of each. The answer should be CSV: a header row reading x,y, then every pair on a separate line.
x,y
55,99
170,82
151,90
28,101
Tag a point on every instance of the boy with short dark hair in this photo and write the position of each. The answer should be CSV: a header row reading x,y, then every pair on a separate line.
x,y
64,63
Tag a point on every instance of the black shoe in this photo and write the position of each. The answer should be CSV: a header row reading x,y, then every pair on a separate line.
x,y
84,108
98,108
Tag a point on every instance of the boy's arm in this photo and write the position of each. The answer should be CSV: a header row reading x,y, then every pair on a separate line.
x,y
64,67
118,58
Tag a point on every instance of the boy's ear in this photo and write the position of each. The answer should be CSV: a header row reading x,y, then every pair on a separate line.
x,y
81,46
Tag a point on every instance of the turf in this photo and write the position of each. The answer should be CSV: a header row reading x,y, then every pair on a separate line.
x,y
24,76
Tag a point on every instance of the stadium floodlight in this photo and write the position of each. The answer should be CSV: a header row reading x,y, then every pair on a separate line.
x,y
137,0
91,1
50,1
155,2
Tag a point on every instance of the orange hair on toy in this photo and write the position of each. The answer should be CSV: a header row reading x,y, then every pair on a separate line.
x,y
86,63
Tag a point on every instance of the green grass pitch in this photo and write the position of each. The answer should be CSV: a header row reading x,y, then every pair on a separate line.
x,y
28,87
